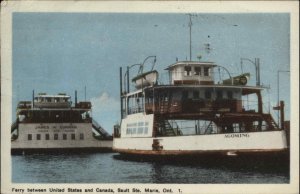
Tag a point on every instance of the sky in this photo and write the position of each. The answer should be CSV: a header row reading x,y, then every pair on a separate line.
x,y
64,52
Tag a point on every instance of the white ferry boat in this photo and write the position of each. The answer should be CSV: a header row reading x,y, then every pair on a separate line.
x,y
193,115
49,123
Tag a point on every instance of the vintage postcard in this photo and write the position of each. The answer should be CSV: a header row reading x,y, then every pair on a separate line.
x,y
149,97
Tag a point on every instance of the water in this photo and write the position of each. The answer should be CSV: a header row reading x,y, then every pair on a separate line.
x,y
108,168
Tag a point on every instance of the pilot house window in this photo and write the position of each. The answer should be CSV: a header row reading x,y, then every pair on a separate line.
x,y
187,70
206,71
38,136
29,136
197,70
55,136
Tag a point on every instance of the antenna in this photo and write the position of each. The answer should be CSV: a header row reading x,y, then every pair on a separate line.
x,y
84,93
190,26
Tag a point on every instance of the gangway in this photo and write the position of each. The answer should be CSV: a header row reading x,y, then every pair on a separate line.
x,y
100,130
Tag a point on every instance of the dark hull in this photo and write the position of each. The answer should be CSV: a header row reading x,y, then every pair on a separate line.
x,y
240,159
61,150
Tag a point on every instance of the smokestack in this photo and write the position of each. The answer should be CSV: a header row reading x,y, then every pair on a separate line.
x,y
75,97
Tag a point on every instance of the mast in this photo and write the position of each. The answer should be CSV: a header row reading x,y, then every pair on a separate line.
x,y
121,98
32,98
190,26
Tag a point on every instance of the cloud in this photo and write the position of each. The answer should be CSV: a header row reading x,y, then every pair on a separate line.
x,y
106,110
104,102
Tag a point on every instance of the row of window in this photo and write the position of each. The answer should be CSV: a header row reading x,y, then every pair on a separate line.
x,y
140,124
208,94
51,99
196,70
55,136
139,130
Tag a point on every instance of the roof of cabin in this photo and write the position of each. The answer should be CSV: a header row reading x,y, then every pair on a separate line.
x,y
184,63
53,96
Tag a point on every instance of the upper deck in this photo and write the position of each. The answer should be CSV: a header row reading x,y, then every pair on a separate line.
x,y
45,101
53,108
192,88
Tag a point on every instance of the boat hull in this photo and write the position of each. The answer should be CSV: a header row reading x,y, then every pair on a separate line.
x,y
260,160
22,151
57,137
234,144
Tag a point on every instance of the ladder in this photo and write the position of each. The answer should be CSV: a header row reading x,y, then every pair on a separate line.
x,y
100,129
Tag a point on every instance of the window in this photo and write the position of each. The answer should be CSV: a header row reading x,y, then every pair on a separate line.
x,y
197,70
140,130
73,136
81,136
29,136
47,136
229,94
133,131
146,130
206,71
207,94
38,136
219,94
64,136
196,95
187,70
55,136
185,95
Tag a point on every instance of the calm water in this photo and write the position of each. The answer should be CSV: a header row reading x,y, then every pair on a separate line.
x,y
108,168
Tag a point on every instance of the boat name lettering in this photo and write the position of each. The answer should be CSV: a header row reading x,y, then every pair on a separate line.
x,y
45,130
240,135
42,127
68,127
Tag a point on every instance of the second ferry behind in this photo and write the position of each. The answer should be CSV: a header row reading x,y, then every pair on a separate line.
x,y
51,123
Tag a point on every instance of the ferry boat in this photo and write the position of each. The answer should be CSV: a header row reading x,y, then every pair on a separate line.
x,y
194,115
51,123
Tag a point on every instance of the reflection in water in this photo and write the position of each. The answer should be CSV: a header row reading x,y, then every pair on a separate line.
x,y
113,168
